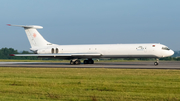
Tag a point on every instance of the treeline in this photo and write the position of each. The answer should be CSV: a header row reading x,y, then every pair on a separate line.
x,y
171,58
5,54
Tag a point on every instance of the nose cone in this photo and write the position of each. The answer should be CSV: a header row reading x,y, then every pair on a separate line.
x,y
170,53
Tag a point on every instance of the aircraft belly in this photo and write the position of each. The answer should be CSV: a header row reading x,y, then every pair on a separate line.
x,y
69,57
129,56
103,56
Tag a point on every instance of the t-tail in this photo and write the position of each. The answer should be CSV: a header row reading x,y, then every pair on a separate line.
x,y
35,38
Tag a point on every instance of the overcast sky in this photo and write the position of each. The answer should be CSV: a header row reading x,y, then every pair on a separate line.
x,y
91,22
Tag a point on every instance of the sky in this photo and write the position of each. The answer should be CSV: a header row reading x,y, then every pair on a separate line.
x,y
70,22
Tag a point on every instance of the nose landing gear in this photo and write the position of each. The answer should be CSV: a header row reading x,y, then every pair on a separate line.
x,y
157,62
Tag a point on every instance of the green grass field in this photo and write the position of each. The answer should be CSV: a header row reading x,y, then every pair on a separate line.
x,y
88,84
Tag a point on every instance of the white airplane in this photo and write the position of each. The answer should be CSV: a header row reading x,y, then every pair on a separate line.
x,y
45,49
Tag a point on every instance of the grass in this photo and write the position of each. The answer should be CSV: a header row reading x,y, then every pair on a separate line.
x,y
88,84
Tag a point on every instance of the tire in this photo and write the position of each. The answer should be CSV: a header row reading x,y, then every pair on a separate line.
x,y
77,62
85,61
91,61
155,63
71,62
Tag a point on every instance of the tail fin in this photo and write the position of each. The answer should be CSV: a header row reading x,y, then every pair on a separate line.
x,y
35,38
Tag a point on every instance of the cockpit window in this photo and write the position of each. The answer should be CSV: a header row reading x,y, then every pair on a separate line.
x,y
165,48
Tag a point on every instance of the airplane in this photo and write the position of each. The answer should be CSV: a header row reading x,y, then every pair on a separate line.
x,y
45,49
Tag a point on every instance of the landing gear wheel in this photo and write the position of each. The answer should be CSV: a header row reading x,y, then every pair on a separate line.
x,y
155,63
72,62
77,62
86,62
91,61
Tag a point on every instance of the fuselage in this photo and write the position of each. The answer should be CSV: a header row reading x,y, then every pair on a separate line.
x,y
150,50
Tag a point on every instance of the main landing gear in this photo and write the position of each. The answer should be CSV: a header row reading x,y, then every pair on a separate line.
x,y
89,61
77,62
157,62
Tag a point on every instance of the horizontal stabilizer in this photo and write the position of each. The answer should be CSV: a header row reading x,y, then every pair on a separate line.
x,y
27,26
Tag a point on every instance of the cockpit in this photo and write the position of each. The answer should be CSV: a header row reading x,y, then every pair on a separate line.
x,y
165,48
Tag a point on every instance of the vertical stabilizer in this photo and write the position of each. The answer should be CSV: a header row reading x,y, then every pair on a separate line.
x,y
35,38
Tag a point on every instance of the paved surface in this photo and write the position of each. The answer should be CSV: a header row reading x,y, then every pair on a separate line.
x,y
118,65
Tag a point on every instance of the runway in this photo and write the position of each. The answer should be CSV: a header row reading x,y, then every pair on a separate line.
x,y
118,65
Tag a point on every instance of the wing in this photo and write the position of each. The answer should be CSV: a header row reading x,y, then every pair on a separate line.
x,y
63,55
